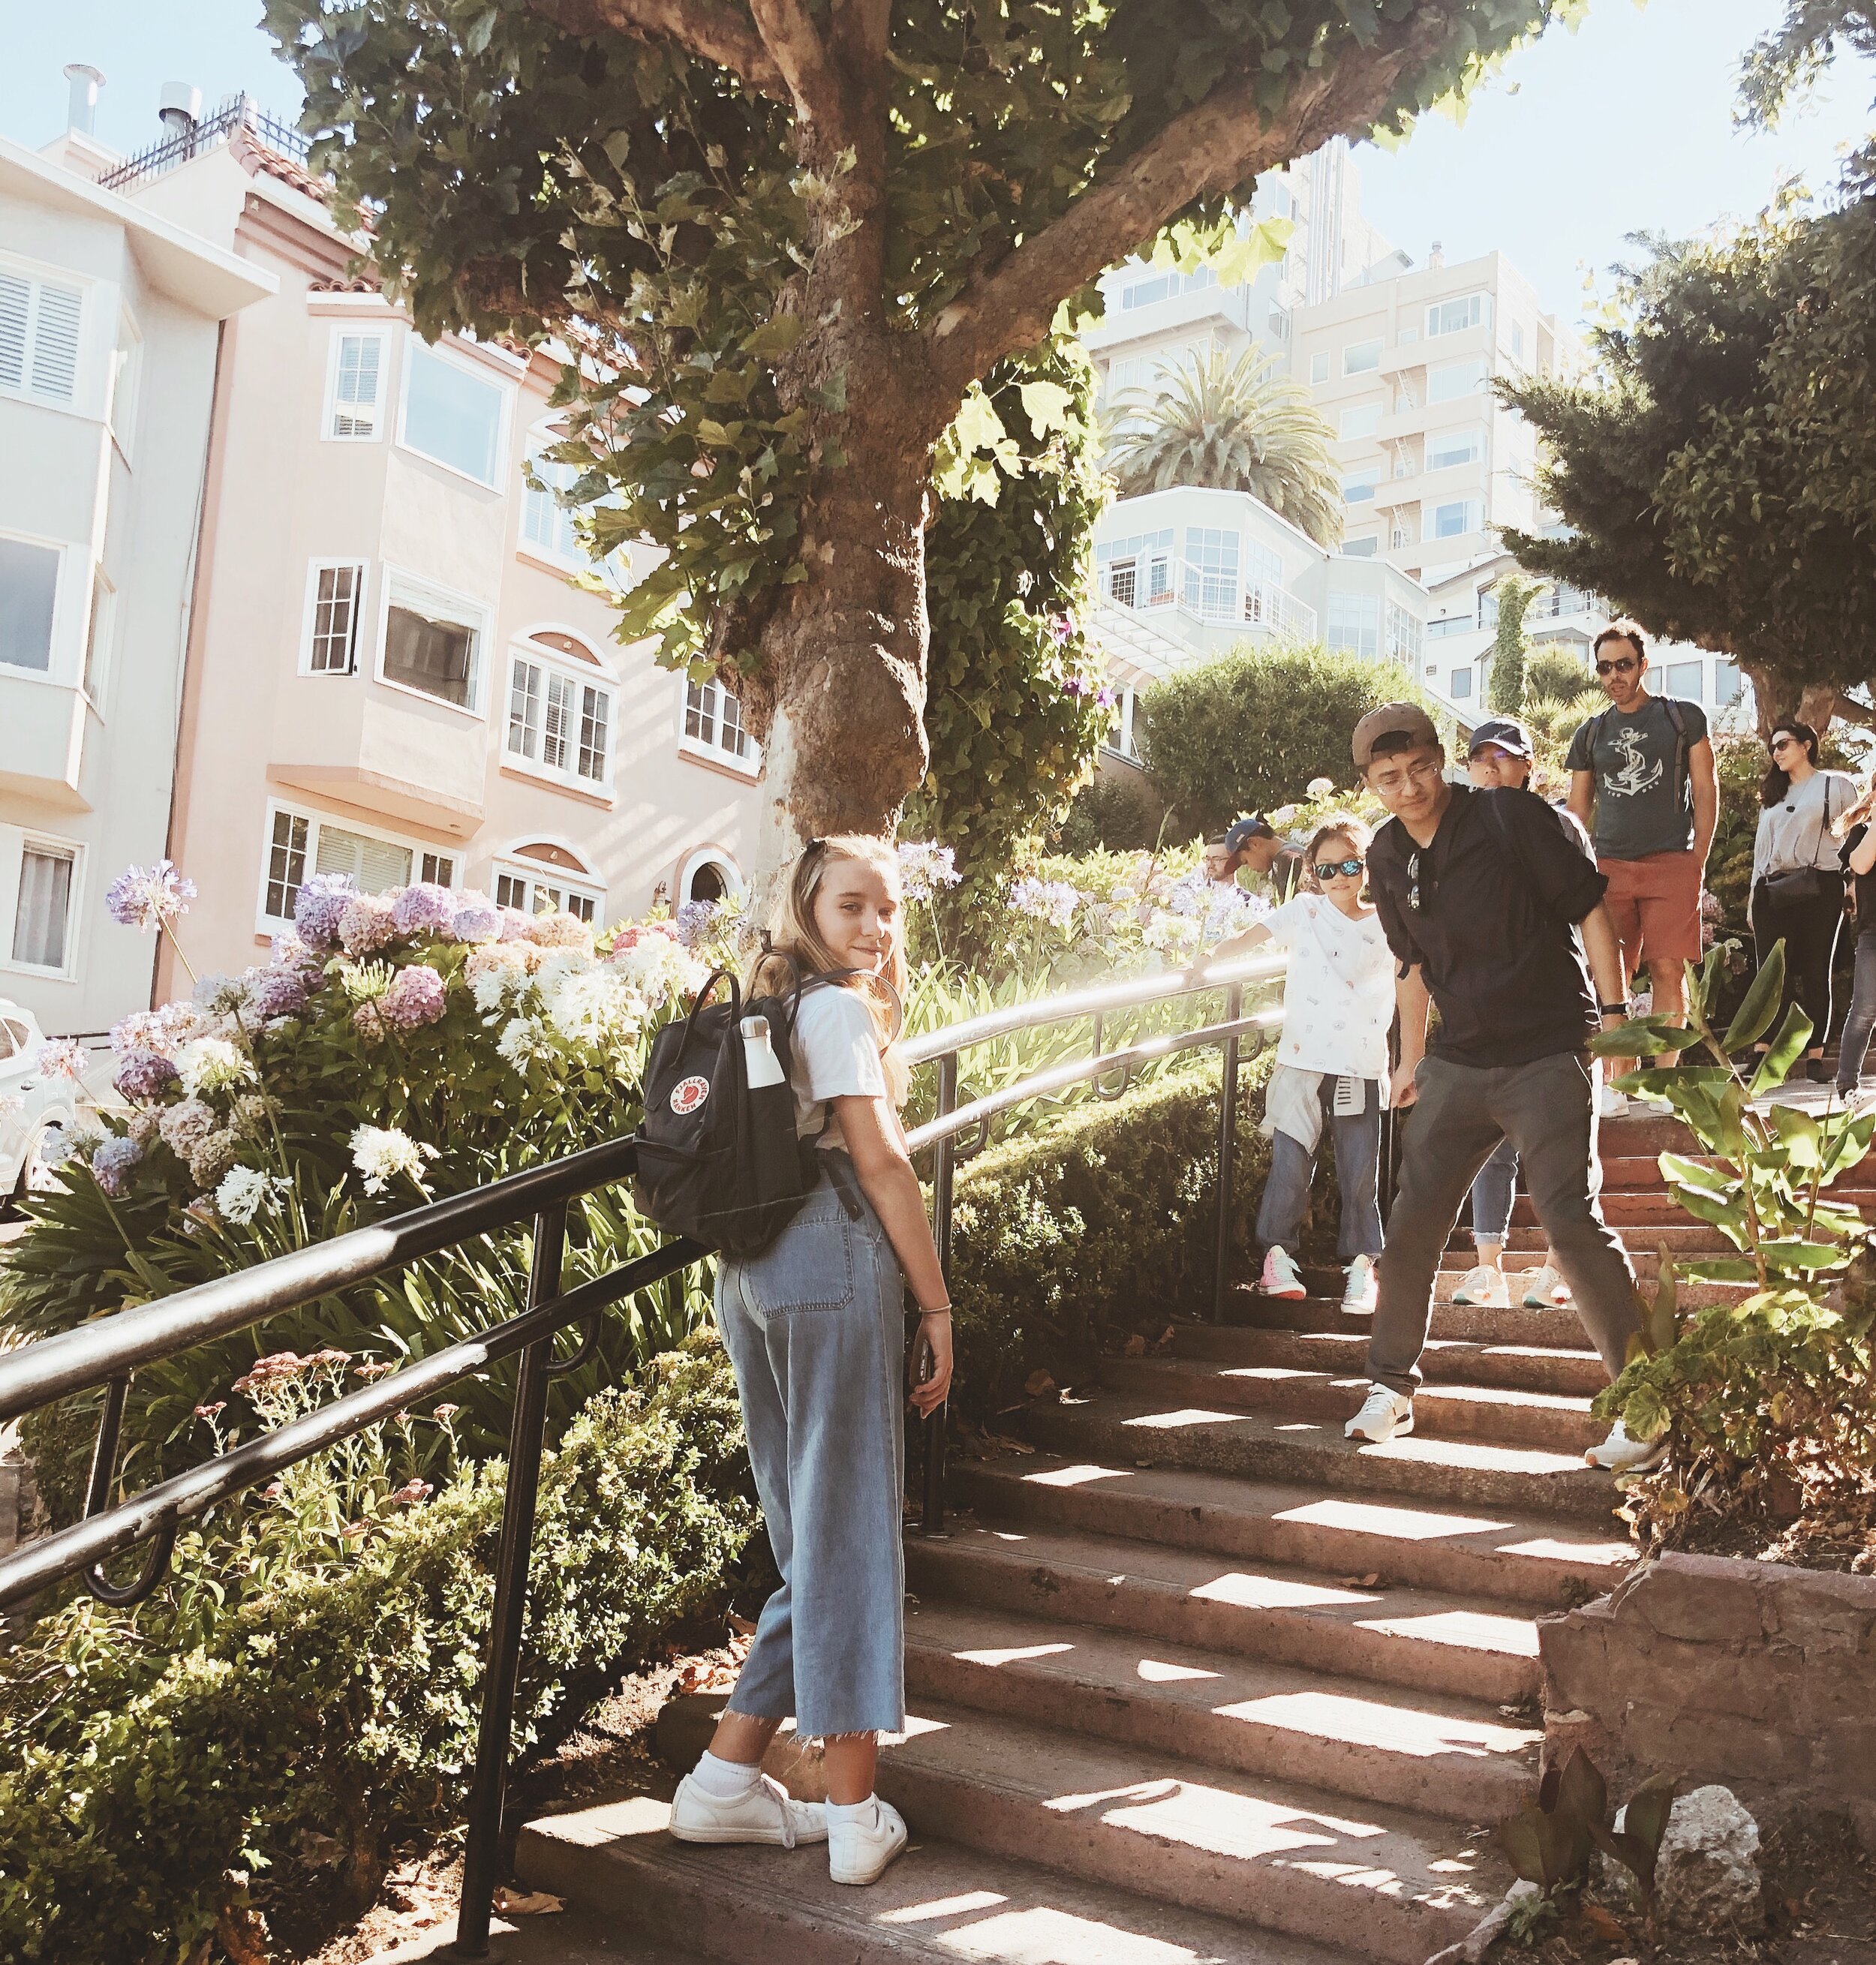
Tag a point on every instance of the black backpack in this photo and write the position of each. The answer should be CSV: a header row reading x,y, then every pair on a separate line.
x,y
718,1159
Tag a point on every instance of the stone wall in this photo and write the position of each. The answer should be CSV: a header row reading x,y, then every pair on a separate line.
x,y
1753,1674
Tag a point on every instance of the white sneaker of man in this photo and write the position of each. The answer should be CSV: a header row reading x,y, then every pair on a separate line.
x,y
1362,1290
1485,1288
765,1811
860,1844
1611,1104
1281,1276
1649,1108
1385,1415
1621,1454
1544,1289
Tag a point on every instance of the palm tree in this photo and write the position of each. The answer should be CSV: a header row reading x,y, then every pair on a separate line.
x,y
1234,425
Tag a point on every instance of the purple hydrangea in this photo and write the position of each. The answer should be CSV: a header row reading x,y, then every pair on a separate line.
x,y
317,907
692,921
476,921
111,1165
145,1074
418,995
279,992
148,897
424,908
365,926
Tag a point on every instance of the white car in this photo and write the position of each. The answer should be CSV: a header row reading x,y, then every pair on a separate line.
x,y
30,1102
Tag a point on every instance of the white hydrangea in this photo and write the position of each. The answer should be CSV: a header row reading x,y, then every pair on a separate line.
x,y
244,1191
491,986
212,1064
658,968
380,1152
558,965
522,1039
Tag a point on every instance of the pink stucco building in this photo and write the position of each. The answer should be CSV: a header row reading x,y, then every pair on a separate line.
x,y
391,670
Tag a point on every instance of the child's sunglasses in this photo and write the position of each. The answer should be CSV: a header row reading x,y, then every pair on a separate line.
x,y
1326,869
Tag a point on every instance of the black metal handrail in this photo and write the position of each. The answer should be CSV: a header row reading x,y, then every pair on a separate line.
x,y
107,1351
238,112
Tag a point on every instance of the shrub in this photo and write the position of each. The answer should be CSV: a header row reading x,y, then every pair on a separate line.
x,y
1109,1214
1119,811
291,1678
1250,730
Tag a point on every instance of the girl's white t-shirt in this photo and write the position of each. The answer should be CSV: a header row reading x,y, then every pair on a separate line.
x,y
1338,998
836,1051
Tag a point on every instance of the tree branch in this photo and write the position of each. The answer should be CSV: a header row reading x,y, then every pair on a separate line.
x,y
711,31
794,43
1218,143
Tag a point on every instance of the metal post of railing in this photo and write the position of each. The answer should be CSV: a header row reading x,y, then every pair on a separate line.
x,y
1227,1155
526,1431
931,1513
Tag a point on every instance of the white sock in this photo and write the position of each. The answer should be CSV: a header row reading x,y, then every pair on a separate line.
x,y
862,1814
725,1780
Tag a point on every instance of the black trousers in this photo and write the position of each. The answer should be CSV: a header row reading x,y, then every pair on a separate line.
x,y
1809,930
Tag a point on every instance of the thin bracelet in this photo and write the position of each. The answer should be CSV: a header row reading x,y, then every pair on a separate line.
x,y
943,1310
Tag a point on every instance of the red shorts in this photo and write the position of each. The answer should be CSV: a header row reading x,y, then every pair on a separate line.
x,y
1655,904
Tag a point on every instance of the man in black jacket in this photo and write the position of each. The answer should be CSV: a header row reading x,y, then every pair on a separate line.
x,y
1493,908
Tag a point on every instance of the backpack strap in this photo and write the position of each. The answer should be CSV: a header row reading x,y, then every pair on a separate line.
x,y
1683,786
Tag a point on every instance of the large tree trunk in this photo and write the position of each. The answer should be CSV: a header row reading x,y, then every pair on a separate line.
x,y
1775,700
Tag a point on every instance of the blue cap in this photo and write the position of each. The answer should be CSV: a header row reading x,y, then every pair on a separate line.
x,y
1250,826
1506,732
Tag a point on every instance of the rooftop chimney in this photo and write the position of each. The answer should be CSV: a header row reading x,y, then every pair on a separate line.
x,y
179,108
82,109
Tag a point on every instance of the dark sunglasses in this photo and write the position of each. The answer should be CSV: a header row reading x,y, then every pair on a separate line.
x,y
1413,883
1620,666
1326,869
1785,743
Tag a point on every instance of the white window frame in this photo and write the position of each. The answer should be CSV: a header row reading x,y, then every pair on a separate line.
x,y
1367,423
1319,367
66,971
1474,514
414,352
575,557
701,856
1362,545
1361,485
1478,313
101,629
1473,433
38,277
1475,367
1352,364
1453,686
461,610
583,675
58,653
688,746
536,874
309,617
342,331
272,925
127,380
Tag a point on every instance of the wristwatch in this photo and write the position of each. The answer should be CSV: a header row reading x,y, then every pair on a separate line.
x,y
1612,1009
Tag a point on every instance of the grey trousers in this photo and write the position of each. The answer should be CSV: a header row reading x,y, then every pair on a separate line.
x,y
815,1329
1546,1109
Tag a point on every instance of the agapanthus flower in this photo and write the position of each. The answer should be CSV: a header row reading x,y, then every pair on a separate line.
x,y
418,995
245,1190
62,1057
219,995
924,866
594,1007
163,1031
477,922
658,967
692,922
366,925
380,1153
492,972
424,908
522,1040
1051,901
363,981
320,906
185,1125
212,1064
111,1164
148,897
560,931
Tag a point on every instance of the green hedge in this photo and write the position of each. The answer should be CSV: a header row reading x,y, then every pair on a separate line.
x,y
1104,1218
146,1760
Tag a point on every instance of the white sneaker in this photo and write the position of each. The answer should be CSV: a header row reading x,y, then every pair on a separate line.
x,y
858,1854
1385,1416
767,1813
1649,1108
1484,1287
1611,1104
1281,1276
1621,1454
1545,1289
1362,1291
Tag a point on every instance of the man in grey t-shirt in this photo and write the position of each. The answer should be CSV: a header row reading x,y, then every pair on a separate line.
x,y
1645,769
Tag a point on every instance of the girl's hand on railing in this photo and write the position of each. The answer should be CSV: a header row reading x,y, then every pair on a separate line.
x,y
930,1365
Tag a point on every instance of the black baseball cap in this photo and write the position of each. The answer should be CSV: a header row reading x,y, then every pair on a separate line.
x,y
1506,732
1249,827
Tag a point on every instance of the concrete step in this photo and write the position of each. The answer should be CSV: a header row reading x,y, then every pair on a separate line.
x,y
939,1904
1557,1329
1638,1138
1533,1368
1132,1430
1430,1640
1388,1884
1693,1238
1535,1560
1503,1416
1453,1758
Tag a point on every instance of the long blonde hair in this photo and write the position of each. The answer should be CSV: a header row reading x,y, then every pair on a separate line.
x,y
792,933
1857,813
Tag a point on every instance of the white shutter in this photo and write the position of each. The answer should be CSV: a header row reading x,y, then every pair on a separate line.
x,y
560,715
374,864
16,307
357,387
55,343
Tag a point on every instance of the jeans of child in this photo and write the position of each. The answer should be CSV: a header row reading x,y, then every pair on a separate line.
x,y
1809,930
815,1329
1862,1020
1492,1195
1357,1138
1547,1110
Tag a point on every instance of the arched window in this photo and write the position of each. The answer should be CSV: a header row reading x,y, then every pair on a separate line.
x,y
544,878
709,874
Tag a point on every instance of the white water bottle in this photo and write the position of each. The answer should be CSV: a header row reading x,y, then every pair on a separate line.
x,y
760,1065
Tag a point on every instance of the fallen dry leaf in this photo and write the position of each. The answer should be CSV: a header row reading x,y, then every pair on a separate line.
x,y
526,1903
1038,1382
741,1626
1136,1346
1605,1923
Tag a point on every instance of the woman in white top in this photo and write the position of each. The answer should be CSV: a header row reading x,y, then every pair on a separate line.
x,y
815,1328
1332,1060
1798,877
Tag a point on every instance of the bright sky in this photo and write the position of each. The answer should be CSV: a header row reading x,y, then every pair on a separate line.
x,y
1625,125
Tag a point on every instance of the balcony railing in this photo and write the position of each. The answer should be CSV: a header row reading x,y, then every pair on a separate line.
x,y
1218,598
238,112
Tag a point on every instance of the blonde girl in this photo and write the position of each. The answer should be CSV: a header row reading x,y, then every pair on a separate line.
x,y
815,1328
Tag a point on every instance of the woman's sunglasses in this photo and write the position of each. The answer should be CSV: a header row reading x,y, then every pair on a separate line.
x,y
1785,743
1326,869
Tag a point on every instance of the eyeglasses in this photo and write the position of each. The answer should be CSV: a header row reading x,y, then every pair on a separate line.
x,y
1326,869
1620,666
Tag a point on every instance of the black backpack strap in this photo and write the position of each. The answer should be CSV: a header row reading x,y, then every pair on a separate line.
x,y
1683,785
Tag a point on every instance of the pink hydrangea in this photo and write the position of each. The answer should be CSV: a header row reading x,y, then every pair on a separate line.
x,y
424,908
418,995
516,926
560,931
366,926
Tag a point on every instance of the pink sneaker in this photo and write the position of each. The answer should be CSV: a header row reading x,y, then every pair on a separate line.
x,y
1280,1277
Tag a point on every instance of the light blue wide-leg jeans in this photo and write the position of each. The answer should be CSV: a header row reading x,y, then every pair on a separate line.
x,y
815,1329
